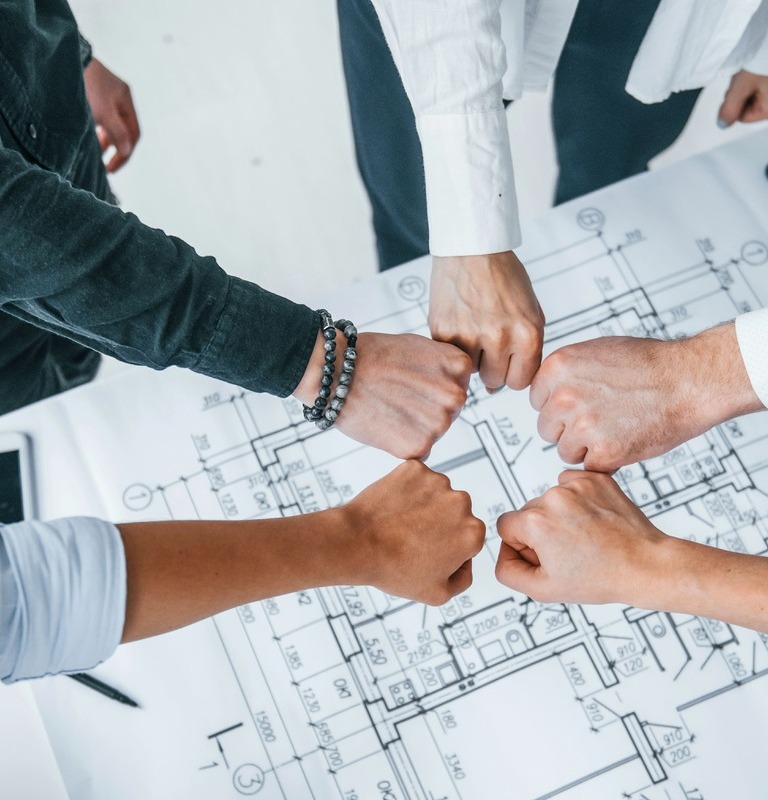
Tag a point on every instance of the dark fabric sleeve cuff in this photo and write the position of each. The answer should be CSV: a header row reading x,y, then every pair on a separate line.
x,y
262,341
86,52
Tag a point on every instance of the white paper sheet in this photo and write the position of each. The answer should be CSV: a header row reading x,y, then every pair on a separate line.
x,y
348,694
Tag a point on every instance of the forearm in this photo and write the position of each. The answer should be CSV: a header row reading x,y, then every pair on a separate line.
x,y
81,268
697,579
181,572
714,379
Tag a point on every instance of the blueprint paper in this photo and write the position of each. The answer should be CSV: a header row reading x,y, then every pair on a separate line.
x,y
345,693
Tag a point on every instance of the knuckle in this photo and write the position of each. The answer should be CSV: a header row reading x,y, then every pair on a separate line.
x,y
584,425
461,363
558,498
475,531
554,362
529,522
528,337
564,397
497,337
458,396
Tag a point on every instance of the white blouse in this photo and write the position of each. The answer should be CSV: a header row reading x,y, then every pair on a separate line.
x,y
458,58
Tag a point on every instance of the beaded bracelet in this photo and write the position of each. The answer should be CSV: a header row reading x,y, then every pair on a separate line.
x,y
331,414
322,413
314,413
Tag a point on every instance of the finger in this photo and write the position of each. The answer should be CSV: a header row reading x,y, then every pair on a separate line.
x,y
526,355
493,366
121,138
128,113
515,572
540,391
550,427
511,530
461,580
522,369
525,551
600,463
732,105
471,348
570,475
103,137
571,449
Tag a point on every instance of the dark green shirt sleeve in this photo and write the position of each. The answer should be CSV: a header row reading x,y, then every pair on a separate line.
x,y
79,267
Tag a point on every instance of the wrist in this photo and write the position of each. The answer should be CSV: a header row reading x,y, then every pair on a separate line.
x,y
718,386
350,552
656,578
306,389
478,261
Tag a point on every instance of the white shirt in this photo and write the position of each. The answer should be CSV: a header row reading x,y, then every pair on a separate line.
x,y
752,335
62,596
455,67
452,56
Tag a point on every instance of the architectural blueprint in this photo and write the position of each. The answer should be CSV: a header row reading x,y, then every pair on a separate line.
x,y
345,693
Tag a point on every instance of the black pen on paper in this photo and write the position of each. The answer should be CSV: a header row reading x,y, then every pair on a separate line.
x,y
103,688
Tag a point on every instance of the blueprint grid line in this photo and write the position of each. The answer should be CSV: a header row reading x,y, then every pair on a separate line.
x,y
346,693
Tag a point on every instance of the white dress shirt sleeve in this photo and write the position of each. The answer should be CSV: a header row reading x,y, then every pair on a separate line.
x,y
62,596
752,335
451,59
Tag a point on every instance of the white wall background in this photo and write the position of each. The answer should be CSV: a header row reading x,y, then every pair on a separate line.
x,y
247,154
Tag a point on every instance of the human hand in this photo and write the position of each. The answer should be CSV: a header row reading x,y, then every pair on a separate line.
x,y
406,391
414,536
613,401
113,112
485,305
746,99
583,541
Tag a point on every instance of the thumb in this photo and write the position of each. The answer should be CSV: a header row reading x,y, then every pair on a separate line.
x,y
514,572
121,135
736,98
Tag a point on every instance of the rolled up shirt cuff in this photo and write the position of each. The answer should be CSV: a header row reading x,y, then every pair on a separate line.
x,y
62,596
752,336
471,203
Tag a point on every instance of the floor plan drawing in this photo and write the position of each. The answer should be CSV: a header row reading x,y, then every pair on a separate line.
x,y
345,693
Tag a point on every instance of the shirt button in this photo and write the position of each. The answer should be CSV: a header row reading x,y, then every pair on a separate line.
x,y
32,130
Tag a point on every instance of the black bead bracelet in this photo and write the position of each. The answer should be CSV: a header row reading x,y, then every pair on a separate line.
x,y
314,413
325,413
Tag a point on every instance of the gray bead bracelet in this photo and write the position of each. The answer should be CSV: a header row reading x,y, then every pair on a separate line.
x,y
314,413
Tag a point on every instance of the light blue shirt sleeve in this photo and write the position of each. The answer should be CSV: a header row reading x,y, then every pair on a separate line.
x,y
62,596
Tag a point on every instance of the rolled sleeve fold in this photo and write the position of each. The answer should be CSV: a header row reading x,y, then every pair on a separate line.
x,y
752,335
62,596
